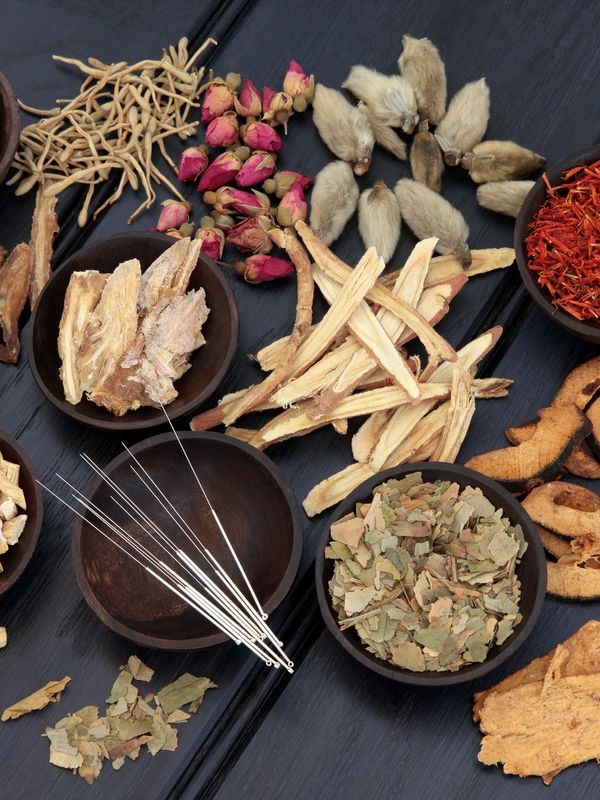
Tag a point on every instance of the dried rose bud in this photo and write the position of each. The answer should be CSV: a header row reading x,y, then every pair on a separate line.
x,y
286,178
213,242
267,96
266,268
251,235
225,167
298,84
233,79
256,169
248,103
260,136
223,222
222,131
293,206
229,200
174,213
192,163
280,110
269,186
218,98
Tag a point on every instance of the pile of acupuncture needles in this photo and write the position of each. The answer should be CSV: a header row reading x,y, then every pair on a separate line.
x,y
216,598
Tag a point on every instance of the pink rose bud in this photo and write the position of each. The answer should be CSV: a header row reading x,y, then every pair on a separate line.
x,y
298,84
256,169
213,242
218,98
280,110
267,96
248,103
225,167
174,213
260,136
293,206
286,178
266,268
251,235
249,204
191,164
222,131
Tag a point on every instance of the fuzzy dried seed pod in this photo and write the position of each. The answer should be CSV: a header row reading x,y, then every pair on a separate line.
x,y
390,98
379,219
344,128
386,136
421,65
500,161
506,197
426,160
333,200
427,214
465,122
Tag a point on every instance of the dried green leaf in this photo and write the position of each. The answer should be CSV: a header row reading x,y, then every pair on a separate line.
x,y
186,689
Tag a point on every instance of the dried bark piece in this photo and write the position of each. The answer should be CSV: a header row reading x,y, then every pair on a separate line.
x,y
367,436
557,546
169,275
15,273
460,414
44,226
505,197
112,326
572,582
81,298
50,693
559,431
582,463
446,268
437,347
564,508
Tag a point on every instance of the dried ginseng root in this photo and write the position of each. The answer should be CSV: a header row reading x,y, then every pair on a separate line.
x,y
543,718
500,161
505,197
378,219
344,128
465,122
420,63
15,275
333,200
426,162
390,98
427,214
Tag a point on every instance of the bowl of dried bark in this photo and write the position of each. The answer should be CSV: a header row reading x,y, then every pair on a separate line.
x,y
531,573
254,503
17,483
208,364
589,331
10,125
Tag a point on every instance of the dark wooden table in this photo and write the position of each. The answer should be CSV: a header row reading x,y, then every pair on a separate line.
x,y
333,730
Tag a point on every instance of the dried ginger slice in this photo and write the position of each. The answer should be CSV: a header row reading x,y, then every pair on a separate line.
x,y
44,226
15,273
544,717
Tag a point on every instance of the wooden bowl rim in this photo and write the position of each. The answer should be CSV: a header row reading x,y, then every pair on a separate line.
x,y
537,194
14,122
119,423
36,521
512,509
200,642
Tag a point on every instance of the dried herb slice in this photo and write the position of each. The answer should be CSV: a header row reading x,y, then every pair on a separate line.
x,y
564,508
555,545
557,434
593,415
582,462
572,582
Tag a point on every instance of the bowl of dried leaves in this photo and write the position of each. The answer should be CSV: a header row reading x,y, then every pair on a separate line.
x,y
431,574
556,239
129,325
20,511
10,125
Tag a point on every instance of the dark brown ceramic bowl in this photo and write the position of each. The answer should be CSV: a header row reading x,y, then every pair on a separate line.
x,y
209,364
10,125
588,331
531,571
18,555
257,509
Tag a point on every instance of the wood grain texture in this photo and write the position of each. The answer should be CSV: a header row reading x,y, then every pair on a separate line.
x,y
333,730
